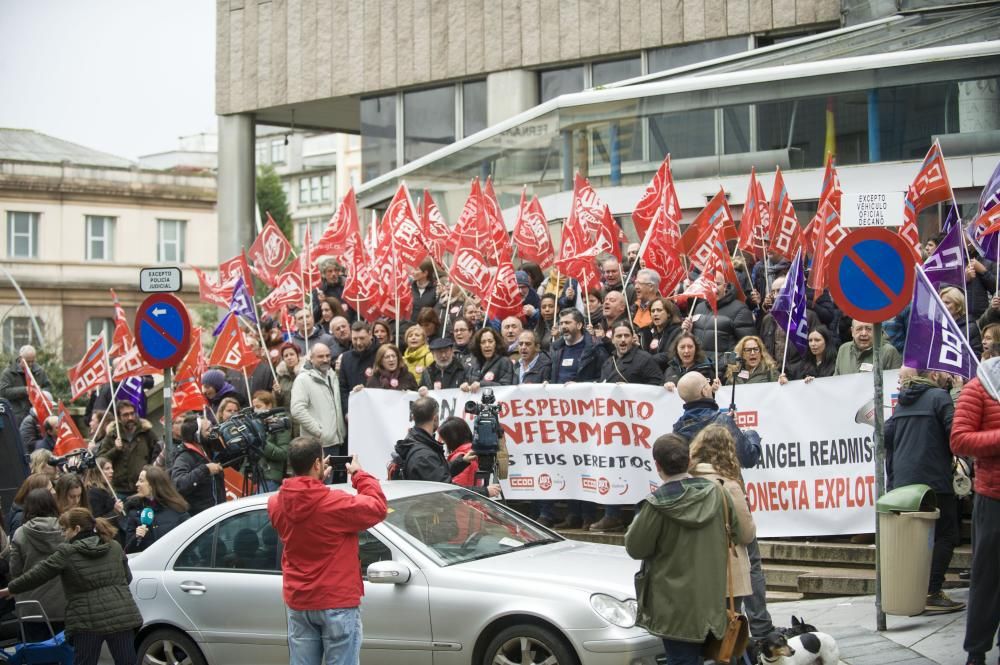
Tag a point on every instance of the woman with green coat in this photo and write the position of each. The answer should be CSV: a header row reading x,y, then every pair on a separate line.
x,y
95,578
273,459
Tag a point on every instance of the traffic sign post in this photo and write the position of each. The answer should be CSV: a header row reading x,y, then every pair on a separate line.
x,y
871,276
163,335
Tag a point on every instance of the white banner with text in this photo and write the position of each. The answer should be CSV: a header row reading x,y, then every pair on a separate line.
x,y
593,442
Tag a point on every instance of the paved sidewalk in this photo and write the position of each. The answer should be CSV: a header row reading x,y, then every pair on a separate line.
x,y
916,640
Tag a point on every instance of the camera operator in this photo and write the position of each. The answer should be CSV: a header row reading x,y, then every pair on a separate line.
x,y
423,456
274,456
197,477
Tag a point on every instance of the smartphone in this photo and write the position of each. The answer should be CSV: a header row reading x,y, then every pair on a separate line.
x,y
338,464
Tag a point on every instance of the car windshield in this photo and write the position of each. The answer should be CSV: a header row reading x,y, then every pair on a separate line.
x,y
455,526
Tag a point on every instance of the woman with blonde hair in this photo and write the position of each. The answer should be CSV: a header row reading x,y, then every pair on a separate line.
x,y
713,456
228,407
757,365
417,355
954,300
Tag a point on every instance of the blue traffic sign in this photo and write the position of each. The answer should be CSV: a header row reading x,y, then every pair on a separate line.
x,y
871,275
162,330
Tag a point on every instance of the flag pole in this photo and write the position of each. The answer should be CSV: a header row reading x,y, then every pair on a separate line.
x,y
716,319
93,437
246,382
628,309
263,344
114,402
788,335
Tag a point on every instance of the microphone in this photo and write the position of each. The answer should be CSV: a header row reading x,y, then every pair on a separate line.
x,y
146,519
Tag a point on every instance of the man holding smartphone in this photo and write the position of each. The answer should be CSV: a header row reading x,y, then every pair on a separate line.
x,y
321,579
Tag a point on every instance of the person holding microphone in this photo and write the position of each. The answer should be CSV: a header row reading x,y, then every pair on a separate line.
x,y
156,509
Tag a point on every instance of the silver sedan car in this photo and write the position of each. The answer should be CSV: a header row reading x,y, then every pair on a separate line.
x,y
450,578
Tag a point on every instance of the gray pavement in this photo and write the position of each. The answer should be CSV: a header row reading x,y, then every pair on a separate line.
x,y
928,638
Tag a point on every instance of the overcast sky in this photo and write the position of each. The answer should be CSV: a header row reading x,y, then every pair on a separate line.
x,y
123,76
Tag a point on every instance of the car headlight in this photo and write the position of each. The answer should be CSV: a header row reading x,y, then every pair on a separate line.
x,y
618,612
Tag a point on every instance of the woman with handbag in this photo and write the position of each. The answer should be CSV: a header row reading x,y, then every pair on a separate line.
x,y
686,515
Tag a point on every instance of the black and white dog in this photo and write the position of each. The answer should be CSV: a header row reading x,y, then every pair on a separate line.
x,y
807,648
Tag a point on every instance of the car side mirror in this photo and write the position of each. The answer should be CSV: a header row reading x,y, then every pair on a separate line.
x,y
388,572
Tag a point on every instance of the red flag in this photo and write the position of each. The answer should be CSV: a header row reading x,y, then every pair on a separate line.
x,y
361,288
123,336
531,234
287,321
989,219
828,235
41,403
188,395
231,349
660,194
396,296
68,437
704,288
909,231
401,226
753,226
469,268
785,232
610,236
287,292
212,293
584,221
500,249
269,252
343,229
131,363
474,228
504,297
233,269
91,371
435,229
660,254
582,267
830,191
931,184
714,219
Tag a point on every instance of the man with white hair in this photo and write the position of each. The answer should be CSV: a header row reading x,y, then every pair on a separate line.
x,y
14,382
647,289
316,405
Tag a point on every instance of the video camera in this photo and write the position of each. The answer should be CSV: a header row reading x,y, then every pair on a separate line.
x,y
486,430
245,433
78,460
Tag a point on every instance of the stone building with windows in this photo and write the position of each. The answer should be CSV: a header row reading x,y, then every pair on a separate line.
x,y
530,92
77,222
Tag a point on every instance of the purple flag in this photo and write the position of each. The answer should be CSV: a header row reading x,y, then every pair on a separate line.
x,y
934,341
987,245
990,195
241,304
946,266
952,219
789,308
131,390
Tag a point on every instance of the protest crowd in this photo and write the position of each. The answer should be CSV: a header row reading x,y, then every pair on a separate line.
x,y
717,305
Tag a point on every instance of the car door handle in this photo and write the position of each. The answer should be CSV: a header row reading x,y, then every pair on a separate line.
x,y
196,588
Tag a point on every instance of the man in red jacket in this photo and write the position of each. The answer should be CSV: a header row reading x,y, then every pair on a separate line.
x,y
318,527
975,432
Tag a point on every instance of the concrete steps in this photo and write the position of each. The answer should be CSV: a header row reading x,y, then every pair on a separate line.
x,y
797,569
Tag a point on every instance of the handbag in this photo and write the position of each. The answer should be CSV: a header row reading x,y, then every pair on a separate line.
x,y
737,635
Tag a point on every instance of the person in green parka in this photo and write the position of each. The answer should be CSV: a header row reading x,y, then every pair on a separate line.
x,y
679,534
273,460
95,578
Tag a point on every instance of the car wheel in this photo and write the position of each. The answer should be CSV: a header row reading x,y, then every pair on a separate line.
x,y
526,644
169,647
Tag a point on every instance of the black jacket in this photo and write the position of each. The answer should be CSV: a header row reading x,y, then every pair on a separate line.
x,y
660,344
200,488
354,370
701,413
165,518
636,366
674,371
917,439
423,458
735,323
427,299
539,373
452,376
14,387
499,369
594,355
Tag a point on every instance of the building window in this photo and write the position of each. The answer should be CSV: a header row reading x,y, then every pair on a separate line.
x,y
378,135
100,238
669,57
555,82
261,152
428,121
170,245
683,134
303,190
326,188
603,73
22,235
99,328
473,107
315,189
278,151
18,331
315,226
286,187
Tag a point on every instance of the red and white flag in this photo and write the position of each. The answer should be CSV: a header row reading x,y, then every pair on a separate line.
x,y
342,230
659,253
469,268
41,403
582,267
610,236
91,372
188,395
660,194
68,437
211,292
715,221
504,297
269,252
499,249
785,232
435,229
402,233
131,363
584,221
931,184
829,234
361,288
286,293
232,270
122,337
704,288
531,234
231,349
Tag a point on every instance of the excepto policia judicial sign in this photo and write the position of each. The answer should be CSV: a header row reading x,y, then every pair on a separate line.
x,y
593,442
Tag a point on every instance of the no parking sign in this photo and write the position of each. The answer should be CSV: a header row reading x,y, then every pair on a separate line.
x,y
871,275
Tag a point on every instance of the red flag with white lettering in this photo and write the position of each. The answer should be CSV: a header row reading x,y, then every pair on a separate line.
x,y
231,349
68,437
931,184
785,232
188,395
584,221
582,267
704,288
435,229
212,293
504,296
233,269
91,372
531,234
131,363
469,268
610,236
343,229
41,403
122,337
286,293
829,234
660,194
269,252
361,288
499,249
659,253
715,218
401,226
